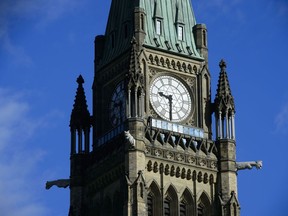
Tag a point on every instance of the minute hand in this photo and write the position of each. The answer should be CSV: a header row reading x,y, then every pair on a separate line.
x,y
169,97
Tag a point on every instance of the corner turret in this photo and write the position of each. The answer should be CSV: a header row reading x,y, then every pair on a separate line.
x,y
224,107
80,121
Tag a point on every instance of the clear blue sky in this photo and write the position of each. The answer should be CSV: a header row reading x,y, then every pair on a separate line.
x,y
46,44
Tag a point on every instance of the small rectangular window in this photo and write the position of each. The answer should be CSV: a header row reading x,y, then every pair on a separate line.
x,y
180,32
158,27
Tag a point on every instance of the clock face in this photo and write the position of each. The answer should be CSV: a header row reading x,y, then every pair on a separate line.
x,y
170,98
117,105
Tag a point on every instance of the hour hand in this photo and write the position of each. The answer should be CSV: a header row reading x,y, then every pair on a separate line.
x,y
169,97
162,94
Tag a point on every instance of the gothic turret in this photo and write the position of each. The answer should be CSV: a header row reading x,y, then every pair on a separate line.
x,y
224,107
225,141
80,120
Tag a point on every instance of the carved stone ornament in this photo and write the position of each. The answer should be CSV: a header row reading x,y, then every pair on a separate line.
x,y
61,183
158,152
191,160
180,157
248,165
129,138
213,164
147,150
202,162
169,155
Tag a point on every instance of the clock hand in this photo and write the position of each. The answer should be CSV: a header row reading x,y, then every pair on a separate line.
x,y
169,97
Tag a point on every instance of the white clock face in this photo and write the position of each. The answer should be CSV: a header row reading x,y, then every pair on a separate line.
x,y
170,98
117,105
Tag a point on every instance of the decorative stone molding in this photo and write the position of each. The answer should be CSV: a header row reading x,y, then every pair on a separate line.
x,y
182,172
185,158
178,65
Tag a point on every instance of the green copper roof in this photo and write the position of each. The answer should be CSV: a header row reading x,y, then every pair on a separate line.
x,y
171,13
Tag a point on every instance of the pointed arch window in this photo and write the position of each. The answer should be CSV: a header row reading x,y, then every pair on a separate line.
x,y
171,204
154,200
186,204
204,205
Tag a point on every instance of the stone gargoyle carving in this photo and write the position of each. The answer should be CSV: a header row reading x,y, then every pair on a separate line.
x,y
61,183
129,138
248,165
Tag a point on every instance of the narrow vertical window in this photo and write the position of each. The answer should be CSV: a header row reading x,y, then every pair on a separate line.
x,y
158,27
142,22
180,32
204,38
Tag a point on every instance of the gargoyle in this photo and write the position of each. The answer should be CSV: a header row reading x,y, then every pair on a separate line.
x,y
61,183
129,138
248,165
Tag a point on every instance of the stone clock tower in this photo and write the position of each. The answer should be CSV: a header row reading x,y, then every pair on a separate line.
x,y
152,151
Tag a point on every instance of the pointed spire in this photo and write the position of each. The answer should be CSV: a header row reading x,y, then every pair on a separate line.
x,y
224,99
134,75
80,116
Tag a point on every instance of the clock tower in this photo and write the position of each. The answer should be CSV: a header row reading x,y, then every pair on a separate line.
x,y
152,150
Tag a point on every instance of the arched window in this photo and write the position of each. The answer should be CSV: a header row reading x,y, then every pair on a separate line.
x,y
154,200
171,202
204,205
186,204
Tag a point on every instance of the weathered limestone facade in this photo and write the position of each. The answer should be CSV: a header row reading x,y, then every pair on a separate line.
x,y
146,158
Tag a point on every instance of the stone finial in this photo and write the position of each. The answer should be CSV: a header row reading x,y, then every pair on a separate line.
x,y
80,80
222,64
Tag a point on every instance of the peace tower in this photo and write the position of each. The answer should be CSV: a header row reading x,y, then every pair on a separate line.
x,y
152,150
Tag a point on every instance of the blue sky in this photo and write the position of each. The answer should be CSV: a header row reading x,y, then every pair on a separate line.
x,y
46,44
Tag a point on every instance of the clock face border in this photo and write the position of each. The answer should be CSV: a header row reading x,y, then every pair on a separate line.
x,y
180,96
117,105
